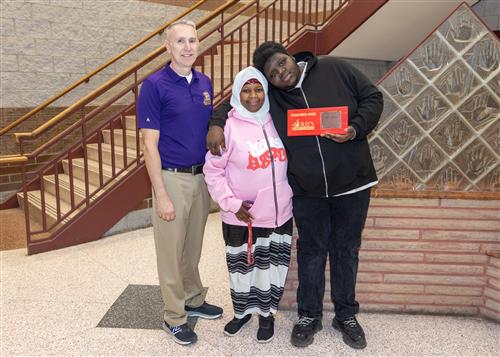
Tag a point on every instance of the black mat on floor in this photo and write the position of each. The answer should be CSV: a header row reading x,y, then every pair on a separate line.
x,y
138,307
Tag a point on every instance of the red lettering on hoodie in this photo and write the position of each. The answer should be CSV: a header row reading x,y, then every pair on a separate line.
x,y
264,160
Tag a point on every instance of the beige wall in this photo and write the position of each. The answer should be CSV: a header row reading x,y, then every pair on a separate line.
x,y
48,44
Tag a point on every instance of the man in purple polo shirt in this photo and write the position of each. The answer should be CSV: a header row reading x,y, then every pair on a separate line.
x,y
173,109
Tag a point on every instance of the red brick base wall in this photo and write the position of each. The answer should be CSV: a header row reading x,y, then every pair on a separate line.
x,y
491,308
425,256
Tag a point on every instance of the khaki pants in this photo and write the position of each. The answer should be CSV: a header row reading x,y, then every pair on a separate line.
x,y
178,244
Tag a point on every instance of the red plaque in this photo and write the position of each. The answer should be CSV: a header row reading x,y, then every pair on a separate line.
x,y
316,121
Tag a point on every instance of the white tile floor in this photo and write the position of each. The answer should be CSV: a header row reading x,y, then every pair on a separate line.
x,y
51,304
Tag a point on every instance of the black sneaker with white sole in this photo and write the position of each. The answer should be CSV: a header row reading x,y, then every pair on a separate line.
x,y
304,330
181,334
205,311
234,326
265,333
352,332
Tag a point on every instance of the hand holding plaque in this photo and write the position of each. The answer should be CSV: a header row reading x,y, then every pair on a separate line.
x,y
317,121
349,134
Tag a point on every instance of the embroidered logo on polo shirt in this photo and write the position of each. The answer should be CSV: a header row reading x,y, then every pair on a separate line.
x,y
206,98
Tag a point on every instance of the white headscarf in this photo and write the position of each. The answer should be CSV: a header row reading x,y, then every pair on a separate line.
x,y
240,79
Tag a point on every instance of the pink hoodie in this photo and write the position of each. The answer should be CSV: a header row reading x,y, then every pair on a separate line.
x,y
245,172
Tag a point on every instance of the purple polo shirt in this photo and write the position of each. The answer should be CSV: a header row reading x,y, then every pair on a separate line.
x,y
180,111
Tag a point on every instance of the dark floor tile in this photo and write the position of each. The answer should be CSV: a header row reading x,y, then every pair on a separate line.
x,y
138,307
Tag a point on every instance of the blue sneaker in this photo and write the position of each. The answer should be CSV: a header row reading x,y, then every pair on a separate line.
x,y
205,311
181,334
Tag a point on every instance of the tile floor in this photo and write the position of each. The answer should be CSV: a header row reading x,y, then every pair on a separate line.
x,y
102,298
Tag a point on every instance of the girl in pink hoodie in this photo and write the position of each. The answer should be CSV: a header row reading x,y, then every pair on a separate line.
x,y
250,184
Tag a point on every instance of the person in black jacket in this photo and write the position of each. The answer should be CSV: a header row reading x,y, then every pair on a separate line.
x,y
331,176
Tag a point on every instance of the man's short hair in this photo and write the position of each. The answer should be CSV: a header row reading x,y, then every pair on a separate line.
x,y
266,51
179,22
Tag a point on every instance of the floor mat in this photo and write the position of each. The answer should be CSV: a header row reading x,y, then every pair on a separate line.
x,y
138,307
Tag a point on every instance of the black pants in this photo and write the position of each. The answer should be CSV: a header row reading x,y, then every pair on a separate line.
x,y
329,226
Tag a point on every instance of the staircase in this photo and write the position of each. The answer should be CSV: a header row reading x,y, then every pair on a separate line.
x,y
62,191
84,190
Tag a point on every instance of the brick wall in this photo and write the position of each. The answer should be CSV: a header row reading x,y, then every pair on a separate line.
x,y
48,44
425,256
491,308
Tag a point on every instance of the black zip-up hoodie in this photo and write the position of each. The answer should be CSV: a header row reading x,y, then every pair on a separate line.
x,y
320,167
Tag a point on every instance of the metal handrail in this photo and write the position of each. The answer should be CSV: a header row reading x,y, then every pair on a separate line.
x,y
21,136
89,194
13,159
104,87
86,78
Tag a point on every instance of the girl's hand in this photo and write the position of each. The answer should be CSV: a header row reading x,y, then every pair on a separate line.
x,y
243,214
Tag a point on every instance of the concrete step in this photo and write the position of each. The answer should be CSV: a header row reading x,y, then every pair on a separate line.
x,y
130,122
64,187
35,207
218,73
93,171
118,138
49,181
237,48
93,154
227,60
216,83
78,189
217,66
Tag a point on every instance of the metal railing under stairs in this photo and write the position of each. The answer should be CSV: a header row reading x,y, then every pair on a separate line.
x,y
106,147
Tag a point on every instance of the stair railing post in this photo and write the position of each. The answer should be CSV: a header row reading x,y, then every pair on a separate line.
x,y
289,20
58,193
274,24
281,20
266,26
222,46
99,158
71,180
257,24
135,90
304,13
212,65
310,12
85,162
249,29
25,200
240,55
324,11
112,148
317,15
42,202
124,143
296,15
231,65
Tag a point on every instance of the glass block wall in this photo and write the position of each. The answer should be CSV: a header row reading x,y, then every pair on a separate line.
x,y
440,129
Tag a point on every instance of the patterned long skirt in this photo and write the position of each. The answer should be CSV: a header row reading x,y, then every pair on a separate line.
x,y
257,288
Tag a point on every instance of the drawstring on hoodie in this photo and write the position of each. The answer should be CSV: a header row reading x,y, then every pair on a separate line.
x,y
249,245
